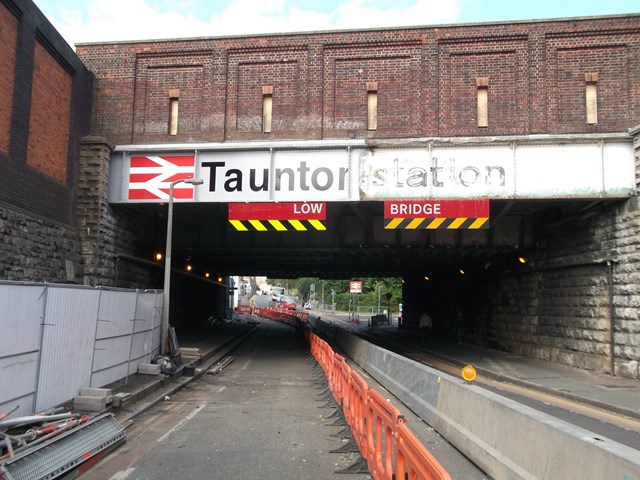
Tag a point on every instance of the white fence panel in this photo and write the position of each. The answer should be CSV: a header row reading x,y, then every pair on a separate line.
x,y
21,308
68,342
116,313
66,337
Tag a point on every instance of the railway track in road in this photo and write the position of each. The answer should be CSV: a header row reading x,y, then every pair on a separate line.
x,y
610,424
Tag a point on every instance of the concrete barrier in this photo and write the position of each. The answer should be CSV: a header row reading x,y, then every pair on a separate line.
x,y
506,439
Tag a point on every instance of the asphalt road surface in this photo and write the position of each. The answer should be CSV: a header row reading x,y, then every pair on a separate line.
x,y
258,418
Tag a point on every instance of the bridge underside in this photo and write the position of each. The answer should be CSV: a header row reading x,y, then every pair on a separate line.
x,y
355,243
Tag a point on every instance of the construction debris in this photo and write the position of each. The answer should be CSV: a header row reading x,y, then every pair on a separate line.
x,y
218,367
191,354
50,444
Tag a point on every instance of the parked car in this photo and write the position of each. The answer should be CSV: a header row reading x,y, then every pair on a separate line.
x,y
307,306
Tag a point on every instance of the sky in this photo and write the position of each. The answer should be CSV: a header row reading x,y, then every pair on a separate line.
x,y
81,21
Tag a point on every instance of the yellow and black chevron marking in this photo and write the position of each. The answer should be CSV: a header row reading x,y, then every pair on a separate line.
x,y
276,225
436,223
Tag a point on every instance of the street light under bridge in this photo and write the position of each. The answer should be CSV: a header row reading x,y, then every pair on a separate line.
x,y
164,340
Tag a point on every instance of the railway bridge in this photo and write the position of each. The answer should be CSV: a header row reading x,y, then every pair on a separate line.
x,y
493,167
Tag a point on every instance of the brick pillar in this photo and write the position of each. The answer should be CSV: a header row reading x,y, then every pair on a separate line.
x,y
96,237
635,133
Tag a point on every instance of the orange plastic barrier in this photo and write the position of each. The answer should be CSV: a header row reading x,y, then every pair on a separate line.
x,y
385,441
356,409
382,420
279,314
413,460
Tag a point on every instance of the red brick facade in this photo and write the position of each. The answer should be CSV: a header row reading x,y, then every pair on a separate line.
x,y
426,82
49,119
8,38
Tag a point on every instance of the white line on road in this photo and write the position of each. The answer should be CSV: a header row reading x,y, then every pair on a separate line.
x,y
121,475
180,424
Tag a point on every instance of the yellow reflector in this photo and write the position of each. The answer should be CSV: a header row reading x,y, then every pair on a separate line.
x,y
469,373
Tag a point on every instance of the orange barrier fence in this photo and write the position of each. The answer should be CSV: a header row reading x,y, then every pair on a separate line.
x,y
279,314
386,443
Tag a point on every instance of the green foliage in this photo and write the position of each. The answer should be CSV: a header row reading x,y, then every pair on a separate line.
x,y
372,289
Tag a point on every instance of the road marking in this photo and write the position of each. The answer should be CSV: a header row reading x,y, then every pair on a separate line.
x,y
180,424
121,475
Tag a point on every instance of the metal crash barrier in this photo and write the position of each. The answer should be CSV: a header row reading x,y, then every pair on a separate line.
x,y
386,442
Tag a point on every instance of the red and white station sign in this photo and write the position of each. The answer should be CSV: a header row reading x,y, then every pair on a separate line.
x,y
436,208
355,286
278,211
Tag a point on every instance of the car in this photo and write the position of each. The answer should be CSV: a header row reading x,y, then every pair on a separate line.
x,y
307,306
288,303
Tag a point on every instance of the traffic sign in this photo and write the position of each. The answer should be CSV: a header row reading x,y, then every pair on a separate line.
x,y
277,216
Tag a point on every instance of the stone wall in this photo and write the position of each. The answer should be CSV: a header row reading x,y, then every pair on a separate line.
x,y
560,308
115,241
33,248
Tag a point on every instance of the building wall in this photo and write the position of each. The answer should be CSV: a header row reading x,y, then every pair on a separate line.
x,y
426,80
45,106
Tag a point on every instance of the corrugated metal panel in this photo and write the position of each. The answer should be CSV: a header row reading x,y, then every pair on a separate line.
x,y
141,347
20,318
110,352
116,313
70,350
146,311
68,343
18,382
108,376
20,313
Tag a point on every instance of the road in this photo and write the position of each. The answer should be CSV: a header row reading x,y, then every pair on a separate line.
x,y
258,418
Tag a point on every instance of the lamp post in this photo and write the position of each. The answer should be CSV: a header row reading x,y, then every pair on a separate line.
x,y
164,339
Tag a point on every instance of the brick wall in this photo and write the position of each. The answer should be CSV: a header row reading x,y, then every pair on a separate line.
x,y
8,38
426,77
48,147
45,105
49,108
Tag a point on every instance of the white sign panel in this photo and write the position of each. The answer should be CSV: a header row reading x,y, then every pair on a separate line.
x,y
593,169
439,173
259,176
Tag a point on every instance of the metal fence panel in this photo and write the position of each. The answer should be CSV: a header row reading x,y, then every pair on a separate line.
x,y
116,314
111,351
18,383
141,350
65,337
68,344
20,312
147,311
20,318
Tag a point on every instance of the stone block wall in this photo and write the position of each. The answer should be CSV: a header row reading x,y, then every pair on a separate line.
x,y
560,308
34,248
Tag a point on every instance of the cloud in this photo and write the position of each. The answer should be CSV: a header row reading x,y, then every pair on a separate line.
x,y
109,20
